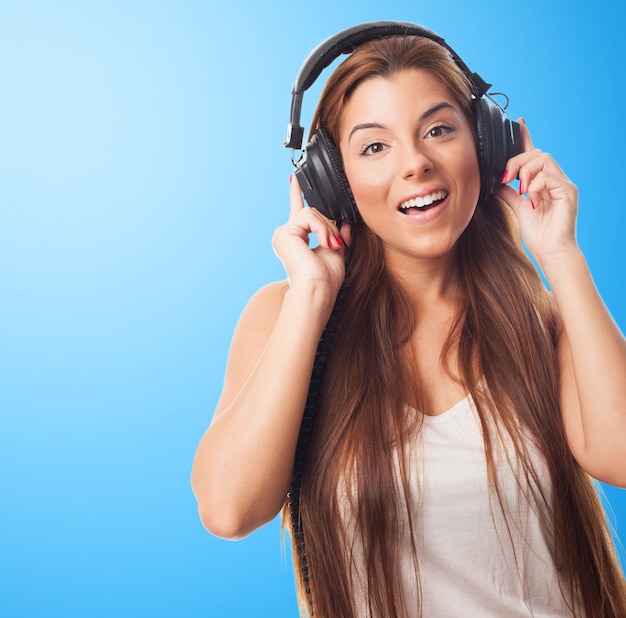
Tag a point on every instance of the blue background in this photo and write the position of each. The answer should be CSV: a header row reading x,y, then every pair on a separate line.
x,y
141,177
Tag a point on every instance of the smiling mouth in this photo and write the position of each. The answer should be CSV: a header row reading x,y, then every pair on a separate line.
x,y
423,203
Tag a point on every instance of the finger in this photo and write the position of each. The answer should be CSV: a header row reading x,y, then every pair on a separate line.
x,y
346,233
527,165
511,197
538,188
542,163
296,202
341,238
549,186
307,221
527,142
327,231
514,164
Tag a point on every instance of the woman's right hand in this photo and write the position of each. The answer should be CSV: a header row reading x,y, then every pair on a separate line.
x,y
321,268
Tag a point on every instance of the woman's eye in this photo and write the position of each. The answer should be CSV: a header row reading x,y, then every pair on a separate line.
x,y
373,148
440,131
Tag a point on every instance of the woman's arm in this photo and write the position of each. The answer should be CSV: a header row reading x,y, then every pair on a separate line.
x,y
592,362
244,462
591,349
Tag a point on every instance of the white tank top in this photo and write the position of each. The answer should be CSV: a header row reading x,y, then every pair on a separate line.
x,y
469,565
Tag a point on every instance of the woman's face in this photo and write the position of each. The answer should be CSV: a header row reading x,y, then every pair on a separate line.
x,y
410,157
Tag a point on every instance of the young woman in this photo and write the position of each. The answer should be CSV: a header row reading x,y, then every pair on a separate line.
x,y
464,409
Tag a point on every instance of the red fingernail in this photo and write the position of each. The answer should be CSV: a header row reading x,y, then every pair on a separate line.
x,y
521,188
532,204
340,241
522,121
504,177
290,178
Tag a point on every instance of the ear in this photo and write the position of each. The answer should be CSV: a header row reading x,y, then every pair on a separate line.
x,y
498,139
323,180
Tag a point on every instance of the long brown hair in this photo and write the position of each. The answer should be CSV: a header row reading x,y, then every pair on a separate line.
x,y
505,333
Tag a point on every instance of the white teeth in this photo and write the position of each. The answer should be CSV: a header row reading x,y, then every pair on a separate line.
x,y
421,202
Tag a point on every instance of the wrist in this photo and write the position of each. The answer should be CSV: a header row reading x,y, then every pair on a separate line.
x,y
558,262
564,268
315,302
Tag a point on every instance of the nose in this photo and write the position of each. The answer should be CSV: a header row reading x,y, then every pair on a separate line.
x,y
415,162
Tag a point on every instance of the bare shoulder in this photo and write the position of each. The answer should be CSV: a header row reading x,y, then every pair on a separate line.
x,y
252,333
263,308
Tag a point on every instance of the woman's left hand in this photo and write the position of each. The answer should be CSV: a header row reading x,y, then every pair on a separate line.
x,y
547,217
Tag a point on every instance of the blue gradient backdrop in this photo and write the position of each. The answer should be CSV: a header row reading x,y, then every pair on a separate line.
x,y
141,176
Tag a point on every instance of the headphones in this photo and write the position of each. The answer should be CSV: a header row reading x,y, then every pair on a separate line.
x,y
320,170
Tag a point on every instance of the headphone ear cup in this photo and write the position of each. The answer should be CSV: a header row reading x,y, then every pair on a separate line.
x,y
496,143
323,180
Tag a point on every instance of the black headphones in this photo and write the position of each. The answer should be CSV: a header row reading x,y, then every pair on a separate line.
x,y
320,170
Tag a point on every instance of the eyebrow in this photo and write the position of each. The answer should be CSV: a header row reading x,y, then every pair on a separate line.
x,y
365,125
436,108
429,112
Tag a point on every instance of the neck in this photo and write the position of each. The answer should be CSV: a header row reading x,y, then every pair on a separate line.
x,y
427,281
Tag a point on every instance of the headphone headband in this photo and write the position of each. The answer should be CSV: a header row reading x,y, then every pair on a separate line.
x,y
345,42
